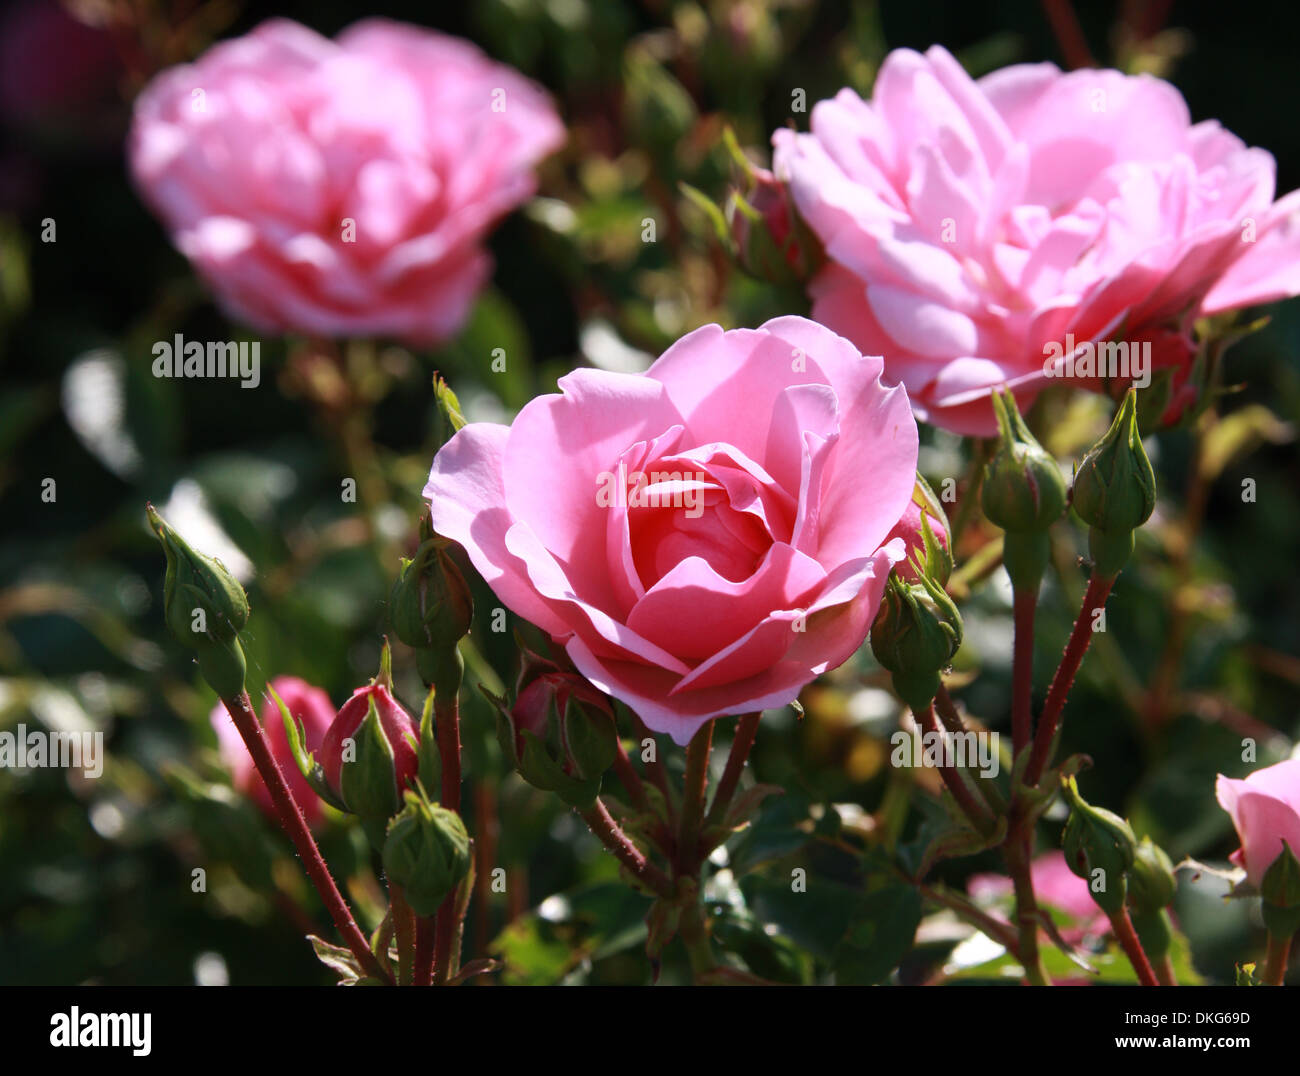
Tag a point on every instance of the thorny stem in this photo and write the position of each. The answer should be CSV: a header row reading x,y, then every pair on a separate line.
x,y
609,834
1279,951
1094,598
974,809
446,712
746,729
629,778
696,782
404,929
286,807
1018,852
1025,603
1132,946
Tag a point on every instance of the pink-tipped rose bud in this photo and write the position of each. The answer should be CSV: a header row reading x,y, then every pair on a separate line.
x,y
369,756
1265,809
922,511
314,712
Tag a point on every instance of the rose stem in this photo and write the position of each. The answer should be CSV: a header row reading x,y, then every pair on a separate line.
x,y
446,714
600,823
1024,602
404,929
746,728
655,769
1165,971
947,711
974,809
1128,940
629,778
1094,598
1018,851
694,788
286,807
1279,951
424,931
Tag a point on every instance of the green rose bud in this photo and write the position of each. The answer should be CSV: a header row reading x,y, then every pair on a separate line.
x,y
1099,847
915,635
426,853
1115,487
1151,881
1023,487
431,605
205,607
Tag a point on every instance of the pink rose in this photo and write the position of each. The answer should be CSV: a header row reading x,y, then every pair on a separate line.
x,y
974,228
1265,809
342,187
703,539
314,711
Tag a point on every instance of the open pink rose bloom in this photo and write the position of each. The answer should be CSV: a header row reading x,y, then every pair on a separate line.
x,y
1265,809
341,187
704,539
978,231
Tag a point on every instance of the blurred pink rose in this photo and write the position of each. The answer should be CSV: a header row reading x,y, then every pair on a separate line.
x,y
1265,809
1054,884
313,709
341,187
704,539
970,224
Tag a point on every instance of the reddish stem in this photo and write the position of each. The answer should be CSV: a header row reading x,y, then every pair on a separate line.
x,y
1279,951
629,778
424,931
446,714
973,809
746,729
600,822
1094,598
1022,670
1069,34
693,793
1128,940
286,807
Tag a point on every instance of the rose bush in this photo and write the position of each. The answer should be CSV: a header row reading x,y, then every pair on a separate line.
x,y
340,187
704,539
970,225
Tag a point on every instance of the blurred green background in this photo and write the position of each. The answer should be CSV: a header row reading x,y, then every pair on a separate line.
x,y
95,875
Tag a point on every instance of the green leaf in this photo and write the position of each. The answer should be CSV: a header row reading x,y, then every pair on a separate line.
x,y
884,924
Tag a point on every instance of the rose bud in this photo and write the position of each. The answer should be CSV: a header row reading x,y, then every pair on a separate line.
x,y
1151,881
1097,840
431,605
762,227
1023,493
205,608
924,530
426,853
313,711
560,733
1115,489
914,636
370,754
1151,889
